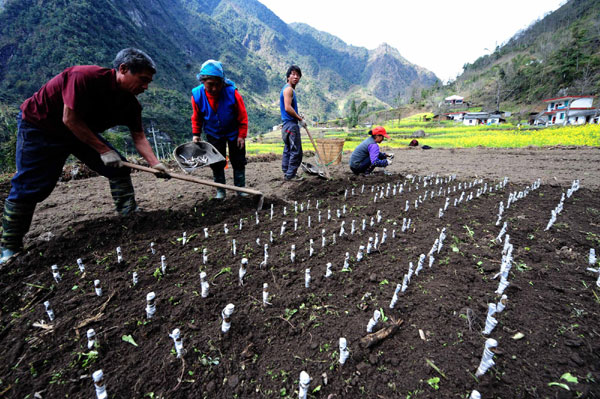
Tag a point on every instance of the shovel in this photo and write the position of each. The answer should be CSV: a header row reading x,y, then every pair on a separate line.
x,y
201,181
322,166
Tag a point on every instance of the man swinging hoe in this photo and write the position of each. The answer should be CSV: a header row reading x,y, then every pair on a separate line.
x,y
66,116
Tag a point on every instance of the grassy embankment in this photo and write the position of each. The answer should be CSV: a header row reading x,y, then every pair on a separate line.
x,y
448,134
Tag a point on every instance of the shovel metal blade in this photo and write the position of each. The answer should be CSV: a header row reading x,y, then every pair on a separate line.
x,y
313,169
190,156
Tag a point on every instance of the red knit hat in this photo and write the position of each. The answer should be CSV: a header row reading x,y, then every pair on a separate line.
x,y
379,131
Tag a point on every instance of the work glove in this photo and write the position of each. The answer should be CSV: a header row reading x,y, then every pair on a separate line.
x,y
302,123
197,138
390,156
389,161
163,171
112,159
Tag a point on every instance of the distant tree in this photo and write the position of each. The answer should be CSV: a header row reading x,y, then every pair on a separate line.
x,y
8,139
355,112
584,84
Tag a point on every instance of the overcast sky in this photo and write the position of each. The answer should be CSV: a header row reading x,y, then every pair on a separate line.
x,y
439,35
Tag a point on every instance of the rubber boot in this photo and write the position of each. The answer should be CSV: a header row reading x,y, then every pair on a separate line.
x,y
219,177
15,224
369,170
123,195
239,180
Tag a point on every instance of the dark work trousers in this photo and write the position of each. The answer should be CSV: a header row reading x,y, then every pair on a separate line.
x,y
40,157
292,150
237,156
365,166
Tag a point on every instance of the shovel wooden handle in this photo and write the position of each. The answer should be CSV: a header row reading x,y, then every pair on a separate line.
x,y
321,163
194,179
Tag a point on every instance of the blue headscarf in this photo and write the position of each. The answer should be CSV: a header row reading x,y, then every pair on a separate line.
x,y
213,68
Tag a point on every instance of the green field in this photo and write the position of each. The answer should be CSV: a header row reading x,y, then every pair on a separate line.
x,y
447,134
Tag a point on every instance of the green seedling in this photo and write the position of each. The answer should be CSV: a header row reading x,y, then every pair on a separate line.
x,y
436,368
593,237
209,361
187,239
129,338
434,382
384,318
470,232
222,271
87,358
522,267
157,274
289,313
324,347
567,377
56,378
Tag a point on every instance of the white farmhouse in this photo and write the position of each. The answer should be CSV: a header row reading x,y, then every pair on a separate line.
x,y
455,116
572,110
454,100
482,118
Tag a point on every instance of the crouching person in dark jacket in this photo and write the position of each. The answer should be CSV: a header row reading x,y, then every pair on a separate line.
x,y
367,156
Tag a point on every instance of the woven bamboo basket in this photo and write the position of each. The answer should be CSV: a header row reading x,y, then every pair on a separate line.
x,y
331,150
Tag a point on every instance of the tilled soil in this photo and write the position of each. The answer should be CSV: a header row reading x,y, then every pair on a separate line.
x,y
549,326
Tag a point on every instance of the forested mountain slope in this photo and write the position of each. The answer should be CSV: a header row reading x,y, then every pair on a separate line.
x,y
557,55
39,38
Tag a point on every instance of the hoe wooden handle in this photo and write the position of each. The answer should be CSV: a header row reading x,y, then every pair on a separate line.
x,y
194,179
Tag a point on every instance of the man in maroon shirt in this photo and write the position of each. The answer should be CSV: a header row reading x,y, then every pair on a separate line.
x,y
66,116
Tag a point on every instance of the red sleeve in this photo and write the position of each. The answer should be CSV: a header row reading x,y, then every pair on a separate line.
x,y
196,118
242,116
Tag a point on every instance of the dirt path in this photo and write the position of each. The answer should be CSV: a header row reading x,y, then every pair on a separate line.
x,y
90,198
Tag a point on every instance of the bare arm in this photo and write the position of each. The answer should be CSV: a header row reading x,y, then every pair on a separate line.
x,y
288,97
78,127
143,147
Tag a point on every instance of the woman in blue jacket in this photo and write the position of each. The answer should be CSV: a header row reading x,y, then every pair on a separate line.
x,y
220,112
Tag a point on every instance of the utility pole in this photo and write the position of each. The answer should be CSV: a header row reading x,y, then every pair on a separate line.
x,y
154,138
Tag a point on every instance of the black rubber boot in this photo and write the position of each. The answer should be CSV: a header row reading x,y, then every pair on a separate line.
x,y
369,170
123,195
219,177
16,221
239,180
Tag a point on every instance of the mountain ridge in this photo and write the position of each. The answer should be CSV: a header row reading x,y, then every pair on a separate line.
x,y
40,38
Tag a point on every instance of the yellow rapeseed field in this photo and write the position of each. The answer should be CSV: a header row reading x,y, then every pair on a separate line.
x,y
586,135
450,134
